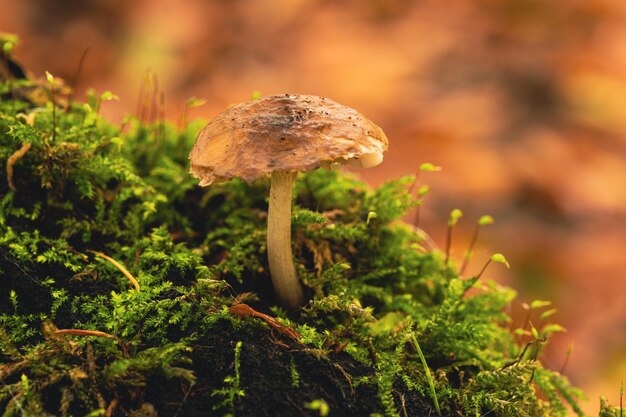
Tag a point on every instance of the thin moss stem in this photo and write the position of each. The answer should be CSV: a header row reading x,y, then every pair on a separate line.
x,y
286,285
54,115
470,250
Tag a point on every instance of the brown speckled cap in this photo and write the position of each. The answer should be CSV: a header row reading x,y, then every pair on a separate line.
x,y
282,133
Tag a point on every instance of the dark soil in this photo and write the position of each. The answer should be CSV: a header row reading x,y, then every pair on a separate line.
x,y
267,380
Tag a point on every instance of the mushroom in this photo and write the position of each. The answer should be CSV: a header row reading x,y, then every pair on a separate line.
x,y
281,135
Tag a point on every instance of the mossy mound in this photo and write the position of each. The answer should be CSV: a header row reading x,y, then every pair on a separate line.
x,y
87,203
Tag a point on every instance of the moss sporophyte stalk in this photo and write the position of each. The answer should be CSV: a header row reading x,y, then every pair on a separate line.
x,y
389,329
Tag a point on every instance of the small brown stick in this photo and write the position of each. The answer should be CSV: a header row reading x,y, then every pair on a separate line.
x,y
10,368
345,375
111,408
119,266
16,156
95,333
276,341
244,310
403,403
81,332
340,347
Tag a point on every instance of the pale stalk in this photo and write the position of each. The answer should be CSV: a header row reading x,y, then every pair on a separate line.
x,y
286,285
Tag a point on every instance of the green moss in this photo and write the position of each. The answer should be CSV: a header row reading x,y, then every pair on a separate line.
x,y
231,390
378,295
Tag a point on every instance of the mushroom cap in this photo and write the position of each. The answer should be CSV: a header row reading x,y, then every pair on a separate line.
x,y
283,133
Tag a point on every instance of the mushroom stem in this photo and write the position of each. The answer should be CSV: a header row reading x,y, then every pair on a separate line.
x,y
286,285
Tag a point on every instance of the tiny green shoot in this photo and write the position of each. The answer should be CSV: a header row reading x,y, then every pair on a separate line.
x,y
320,406
455,215
8,41
189,104
547,313
429,167
536,304
423,189
429,377
51,81
232,389
497,258
482,221
106,96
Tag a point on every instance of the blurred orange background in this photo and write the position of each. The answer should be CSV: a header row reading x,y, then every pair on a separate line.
x,y
522,102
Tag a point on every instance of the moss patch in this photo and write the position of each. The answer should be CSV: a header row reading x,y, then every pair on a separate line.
x,y
78,338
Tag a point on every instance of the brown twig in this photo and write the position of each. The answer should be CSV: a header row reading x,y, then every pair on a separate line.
x,y
346,376
16,156
119,266
94,333
111,408
244,310
81,332
403,403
